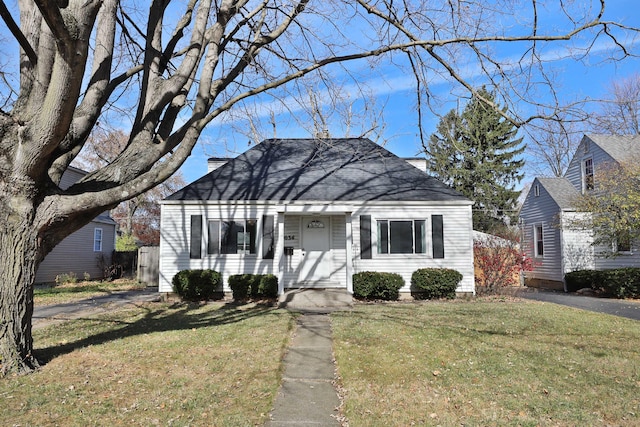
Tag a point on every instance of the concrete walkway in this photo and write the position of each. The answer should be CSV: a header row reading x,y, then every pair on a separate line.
x,y
307,396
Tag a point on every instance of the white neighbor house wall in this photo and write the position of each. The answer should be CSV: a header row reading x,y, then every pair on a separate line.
x,y
345,240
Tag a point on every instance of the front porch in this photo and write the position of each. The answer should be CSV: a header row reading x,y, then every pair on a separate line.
x,y
314,248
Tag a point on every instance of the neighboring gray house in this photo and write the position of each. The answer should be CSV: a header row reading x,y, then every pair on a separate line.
x,y
314,212
545,217
86,250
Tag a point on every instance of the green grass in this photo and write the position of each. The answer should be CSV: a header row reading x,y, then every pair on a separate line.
x,y
487,363
159,364
482,362
70,292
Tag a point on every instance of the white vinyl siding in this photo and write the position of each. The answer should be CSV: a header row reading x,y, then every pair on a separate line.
x,y
458,244
175,242
577,250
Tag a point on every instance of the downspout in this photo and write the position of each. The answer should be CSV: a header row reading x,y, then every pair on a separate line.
x,y
562,260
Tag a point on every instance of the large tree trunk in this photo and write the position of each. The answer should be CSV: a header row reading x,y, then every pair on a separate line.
x,y
18,264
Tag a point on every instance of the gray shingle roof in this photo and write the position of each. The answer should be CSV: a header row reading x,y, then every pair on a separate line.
x,y
348,169
560,190
620,147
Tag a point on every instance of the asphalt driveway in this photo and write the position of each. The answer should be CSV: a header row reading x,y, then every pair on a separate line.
x,y
616,307
49,314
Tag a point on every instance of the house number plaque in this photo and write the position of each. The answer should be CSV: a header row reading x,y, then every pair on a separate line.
x,y
289,237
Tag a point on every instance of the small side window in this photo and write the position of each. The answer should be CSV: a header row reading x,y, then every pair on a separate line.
x,y
587,175
97,239
538,236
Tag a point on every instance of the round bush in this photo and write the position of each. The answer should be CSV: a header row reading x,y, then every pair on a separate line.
x,y
268,286
374,285
240,284
434,283
197,285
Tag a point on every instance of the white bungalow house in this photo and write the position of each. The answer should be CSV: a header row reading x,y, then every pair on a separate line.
x,y
547,235
84,252
314,212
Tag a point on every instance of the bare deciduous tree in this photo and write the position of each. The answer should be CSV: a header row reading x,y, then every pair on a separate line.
x,y
620,113
552,144
140,215
179,66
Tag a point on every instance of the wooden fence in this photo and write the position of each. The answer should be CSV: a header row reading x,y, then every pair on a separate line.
x,y
149,265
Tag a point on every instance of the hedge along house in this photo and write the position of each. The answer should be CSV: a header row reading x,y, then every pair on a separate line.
x,y
313,212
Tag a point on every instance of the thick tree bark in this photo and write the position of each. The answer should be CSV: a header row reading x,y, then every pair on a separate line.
x,y
19,255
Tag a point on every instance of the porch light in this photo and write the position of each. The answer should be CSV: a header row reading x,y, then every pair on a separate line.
x,y
315,224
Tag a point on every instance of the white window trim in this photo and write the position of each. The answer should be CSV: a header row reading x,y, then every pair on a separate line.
x,y
428,247
615,248
258,237
584,172
96,240
535,240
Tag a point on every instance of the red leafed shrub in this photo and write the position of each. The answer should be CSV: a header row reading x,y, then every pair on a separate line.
x,y
498,263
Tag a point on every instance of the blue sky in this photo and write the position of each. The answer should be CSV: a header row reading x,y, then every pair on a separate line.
x,y
394,93
393,96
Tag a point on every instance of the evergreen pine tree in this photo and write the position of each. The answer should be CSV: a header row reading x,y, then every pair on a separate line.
x,y
478,154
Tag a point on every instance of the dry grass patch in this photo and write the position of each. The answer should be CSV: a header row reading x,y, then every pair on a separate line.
x,y
487,363
160,364
71,292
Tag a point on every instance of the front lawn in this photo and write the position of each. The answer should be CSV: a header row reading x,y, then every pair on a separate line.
x,y
76,291
474,363
487,363
159,364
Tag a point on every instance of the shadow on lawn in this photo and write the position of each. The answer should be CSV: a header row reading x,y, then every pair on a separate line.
x,y
178,316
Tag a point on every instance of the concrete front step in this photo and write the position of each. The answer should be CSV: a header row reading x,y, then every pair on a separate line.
x,y
316,300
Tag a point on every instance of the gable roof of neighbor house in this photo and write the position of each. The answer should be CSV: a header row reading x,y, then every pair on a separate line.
x,y
341,169
619,147
560,190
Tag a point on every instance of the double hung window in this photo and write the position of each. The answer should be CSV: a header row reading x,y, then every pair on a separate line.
x,y
587,173
401,236
97,239
539,240
232,237
623,242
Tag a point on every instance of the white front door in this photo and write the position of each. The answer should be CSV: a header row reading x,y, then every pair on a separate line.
x,y
316,264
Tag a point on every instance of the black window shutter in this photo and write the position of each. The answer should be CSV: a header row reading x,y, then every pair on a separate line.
x,y
437,236
365,236
267,236
195,250
213,247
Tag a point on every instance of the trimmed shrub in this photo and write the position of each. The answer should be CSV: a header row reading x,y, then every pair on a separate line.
x,y
434,283
268,286
197,285
239,284
581,279
244,286
618,282
374,285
